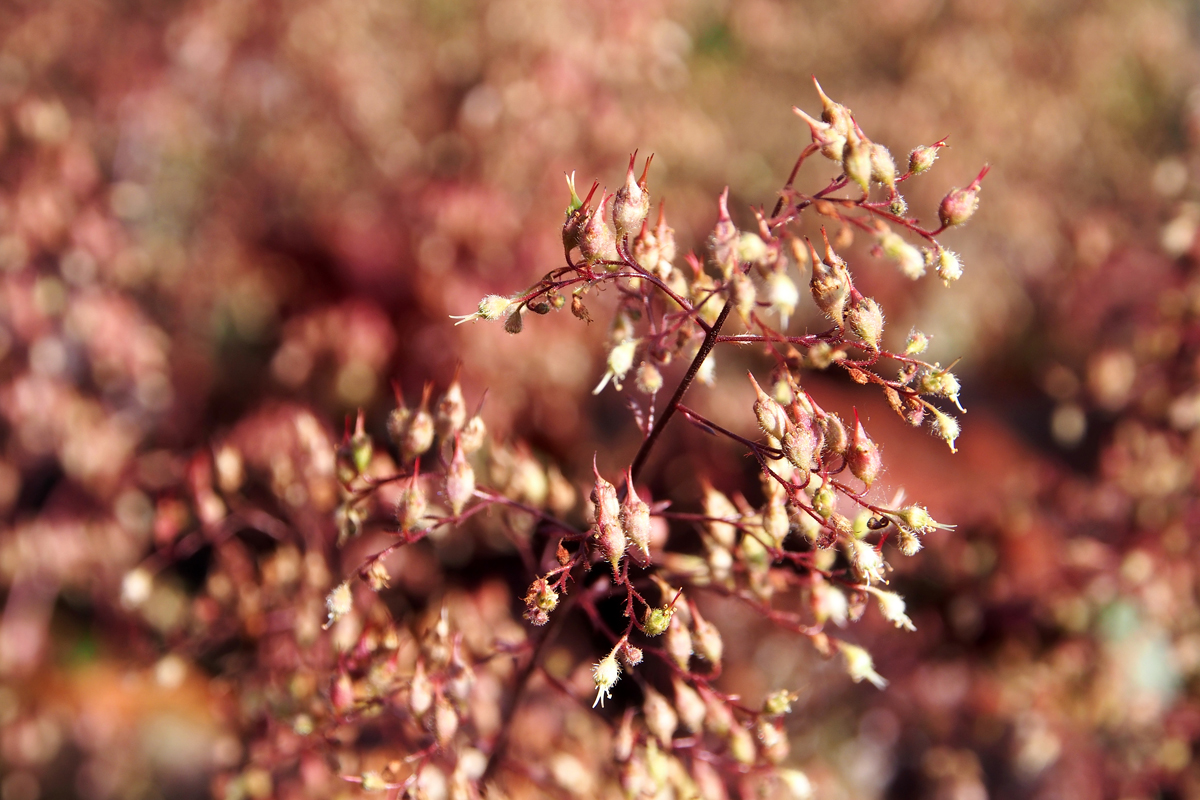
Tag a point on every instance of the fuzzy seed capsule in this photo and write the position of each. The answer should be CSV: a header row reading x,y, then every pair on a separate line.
x,y
836,114
830,287
656,620
771,416
831,141
856,160
631,203
451,413
725,238
596,240
883,166
800,446
610,539
959,205
865,319
922,158
661,719
418,436
635,517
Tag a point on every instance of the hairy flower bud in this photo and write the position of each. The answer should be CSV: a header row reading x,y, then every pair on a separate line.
x,y
418,435
678,642
661,719
718,507
918,343
830,287
856,159
775,520
863,457
783,295
706,639
824,501
689,705
800,446
865,318
665,235
451,413
771,416
743,294
460,480
883,166
741,745
656,620
835,440
866,560
635,517
609,538
908,542
649,379
725,238
493,306
631,203
922,158
835,114
959,205
946,427
906,256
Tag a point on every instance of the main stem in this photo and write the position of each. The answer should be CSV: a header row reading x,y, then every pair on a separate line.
x,y
710,341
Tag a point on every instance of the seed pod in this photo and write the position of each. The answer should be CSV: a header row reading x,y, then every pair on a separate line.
x,y
824,501
743,294
631,203
775,520
834,113
577,215
863,455
644,249
665,235
800,446
596,241
771,416
922,158
472,435
410,510
835,440
460,480
635,517
706,639
678,642
865,318
418,436
825,136
830,287
656,620
741,745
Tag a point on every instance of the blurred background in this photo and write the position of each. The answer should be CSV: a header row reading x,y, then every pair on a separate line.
x,y
224,226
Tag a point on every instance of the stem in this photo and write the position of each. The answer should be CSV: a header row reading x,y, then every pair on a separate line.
x,y
710,340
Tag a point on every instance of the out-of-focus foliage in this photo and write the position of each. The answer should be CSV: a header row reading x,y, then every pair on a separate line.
x,y
226,225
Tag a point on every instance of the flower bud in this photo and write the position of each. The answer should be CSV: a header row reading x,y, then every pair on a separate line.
x,y
859,664
661,719
690,705
725,238
892,606
718,507
783,296
865,319
922,158
445,721
609,538
718,719
665,235
418,436
771,416
451,412
420,691
514,324
410,510
605,674
576,216
630,656
907,257
883,167
830,287
779,703
743,294
706,639
635,517
656,620
596,241
824,501
835,441
631,203
959,205
678,642
645,250
908,542
862,457
649,379
941,382
800,446
856,159
918,343
460,480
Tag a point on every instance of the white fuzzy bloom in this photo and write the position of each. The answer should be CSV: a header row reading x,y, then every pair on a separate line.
x,y
606,673
867,560
620,361
339,602
859,665
892,606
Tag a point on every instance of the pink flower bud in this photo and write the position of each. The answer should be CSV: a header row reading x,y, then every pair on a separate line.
x,y
609,537
460,480
959,205
725,238
771,416
922,157
830,287
863,457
